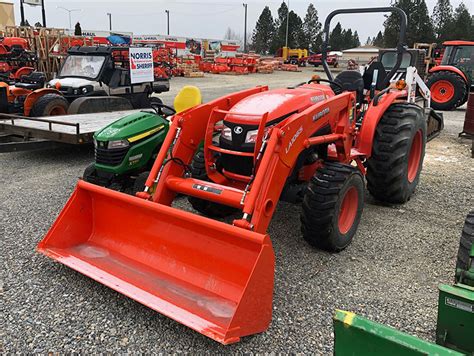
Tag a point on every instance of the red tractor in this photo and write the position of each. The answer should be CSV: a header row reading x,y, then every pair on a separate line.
x,y
452,80
311,144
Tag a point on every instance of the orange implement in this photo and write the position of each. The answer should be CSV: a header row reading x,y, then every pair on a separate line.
x,y
213,277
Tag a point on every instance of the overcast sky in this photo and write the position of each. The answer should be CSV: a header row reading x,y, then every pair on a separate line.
x,y
202,19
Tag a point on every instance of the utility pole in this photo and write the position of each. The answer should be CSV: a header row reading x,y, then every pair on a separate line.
x,y
110,20
287,20
245,29
168,22
43,13
69,12
22,13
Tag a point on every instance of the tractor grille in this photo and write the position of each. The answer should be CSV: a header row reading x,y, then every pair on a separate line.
x,y
110,157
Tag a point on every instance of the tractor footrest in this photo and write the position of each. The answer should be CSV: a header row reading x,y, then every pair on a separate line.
x,y
206,190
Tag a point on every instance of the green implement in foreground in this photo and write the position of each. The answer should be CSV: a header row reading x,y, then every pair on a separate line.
x,y
355,335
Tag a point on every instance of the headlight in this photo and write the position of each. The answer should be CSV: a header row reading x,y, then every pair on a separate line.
x,y
251,136
84,90
226,133
118,144
76,92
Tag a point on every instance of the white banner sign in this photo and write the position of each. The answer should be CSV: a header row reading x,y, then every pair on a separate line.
x,y
33,2
141,65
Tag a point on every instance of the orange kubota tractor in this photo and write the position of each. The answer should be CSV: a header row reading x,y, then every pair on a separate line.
x,y
312,143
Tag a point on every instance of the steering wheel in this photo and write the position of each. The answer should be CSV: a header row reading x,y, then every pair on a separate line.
x,y
317,80
158,107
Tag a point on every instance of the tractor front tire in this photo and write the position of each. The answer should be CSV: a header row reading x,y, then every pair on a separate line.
x,y
49,105
89,172
467,240
139,183
205,207
398,150
448,90
332,207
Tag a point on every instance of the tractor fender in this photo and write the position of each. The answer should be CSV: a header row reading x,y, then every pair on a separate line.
x,y
23,71
34,96
450,69
372,117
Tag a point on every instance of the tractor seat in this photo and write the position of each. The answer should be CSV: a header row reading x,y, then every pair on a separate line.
x,y
32,81
350,80
187,97
369,75
29,86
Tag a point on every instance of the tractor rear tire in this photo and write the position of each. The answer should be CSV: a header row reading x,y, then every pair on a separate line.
x,y
205,207
467,240
332,207
49,105
448,90
398,150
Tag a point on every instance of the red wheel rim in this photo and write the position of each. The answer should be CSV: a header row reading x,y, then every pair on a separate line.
x,y
442,91
348,210
415,156
58,110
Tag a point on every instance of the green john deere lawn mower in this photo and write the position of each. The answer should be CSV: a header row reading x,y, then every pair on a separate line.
x,y
126,149
355,335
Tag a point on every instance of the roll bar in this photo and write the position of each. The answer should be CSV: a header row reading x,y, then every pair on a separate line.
x,y
401,47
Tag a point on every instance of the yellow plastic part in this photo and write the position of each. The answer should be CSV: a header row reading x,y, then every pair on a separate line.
x,y
187,98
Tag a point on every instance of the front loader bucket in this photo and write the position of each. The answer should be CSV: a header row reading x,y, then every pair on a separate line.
x,y
213,277
434,123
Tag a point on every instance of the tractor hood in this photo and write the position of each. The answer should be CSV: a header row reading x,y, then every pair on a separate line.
x,y
278,103
134,126
71,82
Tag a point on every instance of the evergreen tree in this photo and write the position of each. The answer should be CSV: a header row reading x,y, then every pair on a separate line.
x,y
419,27
355,40
336,38
463,28
78,29
442,19
278,39
347,39
312,30
378,40
263,32
369,41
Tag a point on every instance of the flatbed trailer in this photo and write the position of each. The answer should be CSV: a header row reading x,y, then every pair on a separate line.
x,y
19,133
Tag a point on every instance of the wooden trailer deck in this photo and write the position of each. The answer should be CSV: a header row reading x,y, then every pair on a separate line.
x,y
18,133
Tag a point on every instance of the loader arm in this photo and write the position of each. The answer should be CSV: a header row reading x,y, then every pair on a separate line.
x,y
284,147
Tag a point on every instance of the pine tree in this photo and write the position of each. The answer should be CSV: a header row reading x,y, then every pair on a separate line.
x,y
463,28
336,38
263,32
378,40
419,27
312,30
346,39
369,41
442,19
78,29
278,39
355,40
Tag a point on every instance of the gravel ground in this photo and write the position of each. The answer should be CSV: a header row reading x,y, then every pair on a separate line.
x,y
389,273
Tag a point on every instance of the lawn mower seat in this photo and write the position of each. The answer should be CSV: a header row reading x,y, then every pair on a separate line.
x,y
350,80
32,81
369,75
187,97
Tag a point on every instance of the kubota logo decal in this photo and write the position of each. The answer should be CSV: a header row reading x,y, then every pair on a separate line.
x,y
294,138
